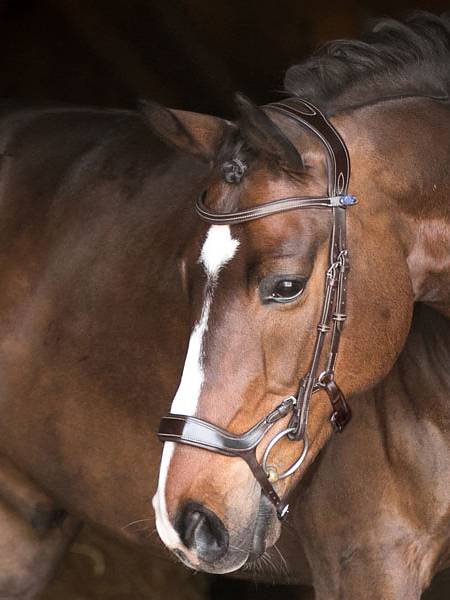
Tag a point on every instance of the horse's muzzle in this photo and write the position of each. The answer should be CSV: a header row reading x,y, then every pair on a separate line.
x,y
202,532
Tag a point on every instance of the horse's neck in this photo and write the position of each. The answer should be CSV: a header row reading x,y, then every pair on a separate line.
x,y
419,383
401,427
410,168
409,411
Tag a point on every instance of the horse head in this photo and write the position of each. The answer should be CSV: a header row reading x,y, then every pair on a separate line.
x,y
256,290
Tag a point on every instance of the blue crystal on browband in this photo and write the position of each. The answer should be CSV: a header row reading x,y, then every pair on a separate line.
x,y
347,200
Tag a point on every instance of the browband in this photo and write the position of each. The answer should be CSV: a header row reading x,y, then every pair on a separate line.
x,y
270,208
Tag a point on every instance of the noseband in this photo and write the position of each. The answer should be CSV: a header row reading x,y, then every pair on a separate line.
x,y
202,434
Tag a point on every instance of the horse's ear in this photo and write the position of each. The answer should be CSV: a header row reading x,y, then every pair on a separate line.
x,y
190,132
262,134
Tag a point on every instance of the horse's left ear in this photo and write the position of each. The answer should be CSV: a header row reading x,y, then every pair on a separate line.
x,y
190,132
262,134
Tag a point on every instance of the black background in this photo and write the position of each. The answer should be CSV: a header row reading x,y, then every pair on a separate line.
x,y
191,54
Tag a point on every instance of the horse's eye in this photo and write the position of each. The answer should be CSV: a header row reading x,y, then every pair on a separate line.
x,y
282,289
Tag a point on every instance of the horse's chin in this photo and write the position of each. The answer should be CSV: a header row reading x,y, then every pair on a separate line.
x,y
228,564
267,530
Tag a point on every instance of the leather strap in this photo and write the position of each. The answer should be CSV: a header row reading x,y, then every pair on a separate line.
x,y
341,410
203,434
270,208
268,489
312,118
338,162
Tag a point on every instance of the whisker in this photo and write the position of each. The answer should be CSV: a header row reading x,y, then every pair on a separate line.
x,y
268,565
136,522
284,564
238,549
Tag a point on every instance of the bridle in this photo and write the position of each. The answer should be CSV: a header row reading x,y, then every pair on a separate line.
x,y
203,434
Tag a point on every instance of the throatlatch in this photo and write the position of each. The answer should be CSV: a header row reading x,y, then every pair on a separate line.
x,y
202,434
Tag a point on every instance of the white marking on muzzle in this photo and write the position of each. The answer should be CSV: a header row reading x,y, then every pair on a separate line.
x,y
218,249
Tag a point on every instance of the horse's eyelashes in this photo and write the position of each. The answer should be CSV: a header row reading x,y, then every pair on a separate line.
x,y
287,288
281,288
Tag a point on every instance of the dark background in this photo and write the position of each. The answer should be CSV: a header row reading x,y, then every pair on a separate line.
x,y
190,54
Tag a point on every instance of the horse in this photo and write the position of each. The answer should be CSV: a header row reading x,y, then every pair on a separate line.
x,y
91,348
256,283
117,298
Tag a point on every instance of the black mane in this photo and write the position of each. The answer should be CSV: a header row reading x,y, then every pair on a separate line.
x,y
392,58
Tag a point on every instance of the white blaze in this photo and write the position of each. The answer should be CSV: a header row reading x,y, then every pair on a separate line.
x,y
218,249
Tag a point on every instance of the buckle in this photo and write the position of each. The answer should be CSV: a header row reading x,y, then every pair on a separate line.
x,y
340,418
342,413
282,511
281,410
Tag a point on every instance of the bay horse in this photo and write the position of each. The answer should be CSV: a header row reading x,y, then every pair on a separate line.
x,y
256,282
113,288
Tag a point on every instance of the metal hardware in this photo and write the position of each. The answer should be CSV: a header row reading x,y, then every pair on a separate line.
x,y
296,465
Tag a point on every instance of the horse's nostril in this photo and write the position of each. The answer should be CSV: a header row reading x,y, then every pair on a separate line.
x,y
202,531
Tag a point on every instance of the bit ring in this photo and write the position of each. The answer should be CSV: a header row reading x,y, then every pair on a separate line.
x,y
267,468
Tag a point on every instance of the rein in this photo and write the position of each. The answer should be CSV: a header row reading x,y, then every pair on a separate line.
x,y
203,434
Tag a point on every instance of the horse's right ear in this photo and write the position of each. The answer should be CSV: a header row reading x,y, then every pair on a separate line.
x,y
190,132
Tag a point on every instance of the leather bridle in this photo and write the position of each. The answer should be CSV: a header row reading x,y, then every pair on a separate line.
x,y
203,434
